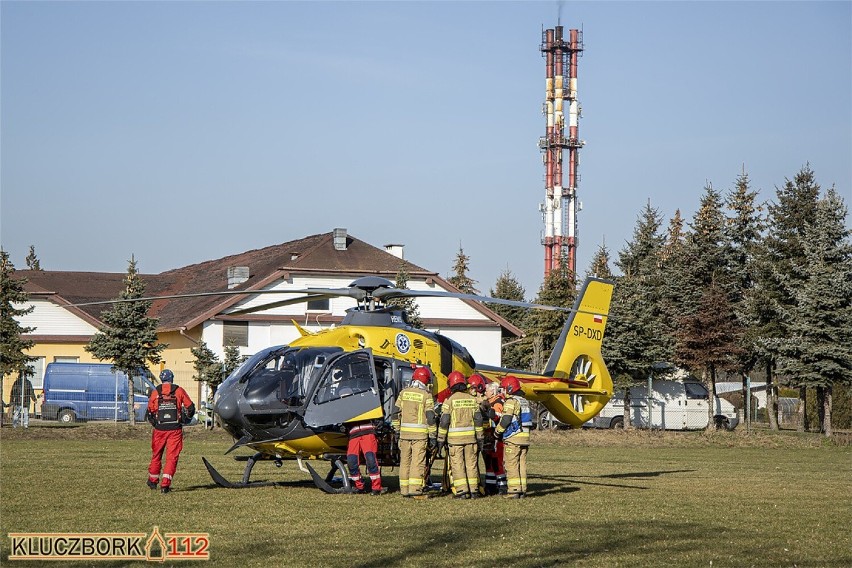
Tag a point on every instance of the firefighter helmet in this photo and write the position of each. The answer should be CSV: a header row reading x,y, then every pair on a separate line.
x,y
422,375
477,382
455,378
167,376
510,384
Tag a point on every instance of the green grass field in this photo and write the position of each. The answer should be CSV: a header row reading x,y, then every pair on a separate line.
x,y
598,498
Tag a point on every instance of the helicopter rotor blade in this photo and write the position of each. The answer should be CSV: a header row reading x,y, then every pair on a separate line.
x,y
331,292
279,303
361,290
390,293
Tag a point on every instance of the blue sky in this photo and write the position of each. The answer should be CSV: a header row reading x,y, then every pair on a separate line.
x,y
184,131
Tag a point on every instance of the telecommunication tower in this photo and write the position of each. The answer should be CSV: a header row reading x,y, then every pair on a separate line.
x,y
560,206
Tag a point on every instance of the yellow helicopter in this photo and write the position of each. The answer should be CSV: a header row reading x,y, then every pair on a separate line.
x,y
292,401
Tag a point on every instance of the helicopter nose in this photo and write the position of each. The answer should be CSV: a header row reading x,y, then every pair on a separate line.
x,y
226,404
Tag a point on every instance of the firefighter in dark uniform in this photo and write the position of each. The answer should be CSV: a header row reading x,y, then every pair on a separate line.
x,y
169,408
514,428
414,420
460,431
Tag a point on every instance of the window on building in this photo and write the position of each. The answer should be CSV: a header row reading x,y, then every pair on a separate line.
x,y
321,305
37,378
66,359
235,333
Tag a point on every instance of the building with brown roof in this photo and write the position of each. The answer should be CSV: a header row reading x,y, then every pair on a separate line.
x,y
328,260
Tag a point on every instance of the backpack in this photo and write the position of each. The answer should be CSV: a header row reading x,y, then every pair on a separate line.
x,y
168,412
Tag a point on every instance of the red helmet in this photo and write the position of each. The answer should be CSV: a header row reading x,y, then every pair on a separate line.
x,y
422,374
477,382
510,384
455,378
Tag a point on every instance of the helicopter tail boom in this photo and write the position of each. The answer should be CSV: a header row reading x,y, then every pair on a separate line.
x,y
575,384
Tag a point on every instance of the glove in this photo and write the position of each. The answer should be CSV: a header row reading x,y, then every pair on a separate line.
x,y
442,446
433,444
480,444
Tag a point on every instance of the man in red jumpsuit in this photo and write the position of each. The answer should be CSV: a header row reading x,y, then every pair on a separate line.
x,y
169,408
362,441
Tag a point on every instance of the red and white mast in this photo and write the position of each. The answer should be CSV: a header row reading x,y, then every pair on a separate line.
x,y
560,203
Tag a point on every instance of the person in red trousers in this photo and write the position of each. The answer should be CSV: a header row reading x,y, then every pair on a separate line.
x,y
169,408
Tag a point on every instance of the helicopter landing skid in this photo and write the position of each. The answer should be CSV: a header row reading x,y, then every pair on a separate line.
x,y
219,480
323,484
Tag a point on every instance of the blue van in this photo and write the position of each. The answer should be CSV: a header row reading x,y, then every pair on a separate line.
x,y
92,391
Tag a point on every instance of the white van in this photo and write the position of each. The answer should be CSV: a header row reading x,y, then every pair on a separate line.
x,y
675,405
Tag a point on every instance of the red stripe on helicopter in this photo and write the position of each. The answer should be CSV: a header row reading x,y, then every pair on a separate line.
x,y
548,381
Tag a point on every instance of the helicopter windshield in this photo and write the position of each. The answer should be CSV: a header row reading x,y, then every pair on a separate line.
x,y
284,375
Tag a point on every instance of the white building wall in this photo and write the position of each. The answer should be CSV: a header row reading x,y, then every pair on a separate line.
x,y
51,319
482,343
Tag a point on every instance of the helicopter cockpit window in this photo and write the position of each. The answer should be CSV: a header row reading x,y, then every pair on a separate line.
x,y
347,376
290,386
405,373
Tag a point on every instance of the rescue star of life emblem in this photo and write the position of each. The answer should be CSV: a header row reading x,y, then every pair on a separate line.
x,y
403,344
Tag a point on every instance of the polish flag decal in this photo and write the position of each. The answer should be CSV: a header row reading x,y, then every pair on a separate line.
x,y
598,318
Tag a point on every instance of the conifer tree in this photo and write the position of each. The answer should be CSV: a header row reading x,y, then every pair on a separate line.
x,y
13,347
208,368
599,267
507,287
705,277
818,349
780,250
674,238
129,336
460,279
633,341
409,305
743,231
32,260
233,359
707,340
706,251
672,266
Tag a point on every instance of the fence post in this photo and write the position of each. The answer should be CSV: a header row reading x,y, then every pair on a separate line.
x,y
748,404
650,398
